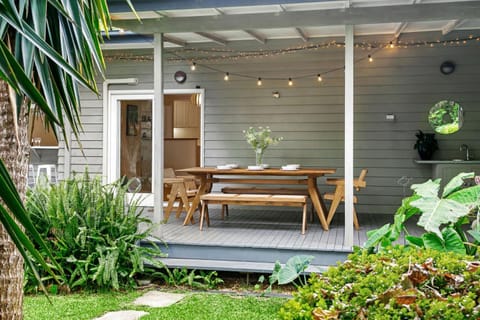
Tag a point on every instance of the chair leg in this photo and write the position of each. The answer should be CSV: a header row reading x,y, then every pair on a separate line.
x,y
335,202
355,219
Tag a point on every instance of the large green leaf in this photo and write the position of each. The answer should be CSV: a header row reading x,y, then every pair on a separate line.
x,y
427,189
456,183
439,211
293,268
469,196
451,241
375,236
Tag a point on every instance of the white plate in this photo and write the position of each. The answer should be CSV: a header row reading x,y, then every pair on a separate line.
x,y
255,168
224,167
232,165
297,166
289,168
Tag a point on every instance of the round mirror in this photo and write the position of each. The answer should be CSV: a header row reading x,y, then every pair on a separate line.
x,y
446,117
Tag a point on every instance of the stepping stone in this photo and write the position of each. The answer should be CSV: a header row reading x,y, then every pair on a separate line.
x,y
123,315
157,299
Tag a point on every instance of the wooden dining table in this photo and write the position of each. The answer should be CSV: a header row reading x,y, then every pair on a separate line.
x,y
208,176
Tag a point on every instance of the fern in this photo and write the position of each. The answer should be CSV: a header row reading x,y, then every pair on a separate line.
x,y
93,232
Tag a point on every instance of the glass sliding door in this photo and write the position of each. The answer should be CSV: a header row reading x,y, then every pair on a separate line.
x,y
136,142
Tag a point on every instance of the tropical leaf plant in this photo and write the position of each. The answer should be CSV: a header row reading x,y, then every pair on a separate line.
x,y
288,273
443,218
48,49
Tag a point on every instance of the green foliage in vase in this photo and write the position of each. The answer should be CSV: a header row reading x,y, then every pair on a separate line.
x,y
443,217
260,139
398,283
93,231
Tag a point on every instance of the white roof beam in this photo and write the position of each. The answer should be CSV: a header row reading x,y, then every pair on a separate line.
x,y
297,19
174,40
215,39
256,36
450,26
400,29
403,25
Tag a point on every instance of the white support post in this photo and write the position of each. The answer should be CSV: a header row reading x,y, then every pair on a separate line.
x,y
157,128
349,94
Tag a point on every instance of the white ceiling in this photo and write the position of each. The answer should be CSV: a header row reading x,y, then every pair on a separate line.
x,y
305,33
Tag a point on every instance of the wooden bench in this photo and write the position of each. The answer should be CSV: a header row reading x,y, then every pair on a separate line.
x,y
256,190
253,200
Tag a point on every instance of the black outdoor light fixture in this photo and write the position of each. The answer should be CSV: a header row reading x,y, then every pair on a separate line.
x,y
447,67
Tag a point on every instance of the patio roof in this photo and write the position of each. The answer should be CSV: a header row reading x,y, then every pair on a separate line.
x,y
223,22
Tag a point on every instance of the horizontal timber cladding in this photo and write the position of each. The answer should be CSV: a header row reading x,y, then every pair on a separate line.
x,y
309,115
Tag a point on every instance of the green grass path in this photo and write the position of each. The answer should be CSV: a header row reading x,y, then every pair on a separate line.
x,y
199,306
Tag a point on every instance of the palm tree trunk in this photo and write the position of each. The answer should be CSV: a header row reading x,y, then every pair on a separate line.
x,y
14,151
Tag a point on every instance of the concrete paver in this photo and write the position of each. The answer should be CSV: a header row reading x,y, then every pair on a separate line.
x,y
158,299
123,315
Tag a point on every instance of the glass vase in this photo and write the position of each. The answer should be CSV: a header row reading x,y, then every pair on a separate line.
x,y
259,157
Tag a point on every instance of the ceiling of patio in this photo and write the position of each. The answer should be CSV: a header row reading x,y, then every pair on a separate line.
x,y
193,22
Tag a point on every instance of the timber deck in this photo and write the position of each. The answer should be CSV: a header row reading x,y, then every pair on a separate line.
x,y
253,239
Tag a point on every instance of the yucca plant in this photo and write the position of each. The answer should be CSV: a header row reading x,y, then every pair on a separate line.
x,y
93,231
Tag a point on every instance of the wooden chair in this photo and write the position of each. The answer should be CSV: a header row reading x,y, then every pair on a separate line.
x,y
178,188
339,195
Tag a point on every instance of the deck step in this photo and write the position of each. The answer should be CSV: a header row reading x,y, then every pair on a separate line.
x,y
225,265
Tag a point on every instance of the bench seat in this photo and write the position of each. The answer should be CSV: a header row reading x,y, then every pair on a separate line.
x,y
255,190
253,200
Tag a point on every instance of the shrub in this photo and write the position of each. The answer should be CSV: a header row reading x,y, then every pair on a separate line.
x,y
398,283
92,231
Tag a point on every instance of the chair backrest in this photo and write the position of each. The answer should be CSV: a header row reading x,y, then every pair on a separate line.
x,y
169,173
360,182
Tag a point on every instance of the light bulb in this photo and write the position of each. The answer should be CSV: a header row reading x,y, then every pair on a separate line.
x,y
193,67
392,45
319,78
259,82
290,82
227,76
370,59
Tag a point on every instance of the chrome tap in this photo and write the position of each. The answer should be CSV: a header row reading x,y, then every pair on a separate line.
x,y
465,147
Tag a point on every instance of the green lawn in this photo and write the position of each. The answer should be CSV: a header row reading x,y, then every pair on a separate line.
x,y
195,306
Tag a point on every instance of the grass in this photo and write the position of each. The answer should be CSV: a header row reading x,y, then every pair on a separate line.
x,y
199,306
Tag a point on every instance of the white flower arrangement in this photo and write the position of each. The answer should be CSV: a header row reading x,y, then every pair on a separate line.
x,y
260,138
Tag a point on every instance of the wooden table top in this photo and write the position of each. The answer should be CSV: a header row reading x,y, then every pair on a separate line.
x,y
264,172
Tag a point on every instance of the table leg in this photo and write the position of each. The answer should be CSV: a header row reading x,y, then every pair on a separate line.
x,y
317,201
196,201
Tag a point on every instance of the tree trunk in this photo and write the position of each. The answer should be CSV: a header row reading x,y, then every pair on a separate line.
x,y
14,151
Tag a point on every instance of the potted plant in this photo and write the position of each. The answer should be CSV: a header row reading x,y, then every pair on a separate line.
x,y
426,144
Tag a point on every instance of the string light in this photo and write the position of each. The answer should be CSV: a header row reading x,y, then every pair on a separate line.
x,y
216,54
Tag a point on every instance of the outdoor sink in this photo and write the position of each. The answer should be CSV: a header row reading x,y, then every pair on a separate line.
x,y
453,161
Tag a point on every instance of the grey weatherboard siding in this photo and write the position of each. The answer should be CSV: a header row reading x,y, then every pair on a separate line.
x,y
309,115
